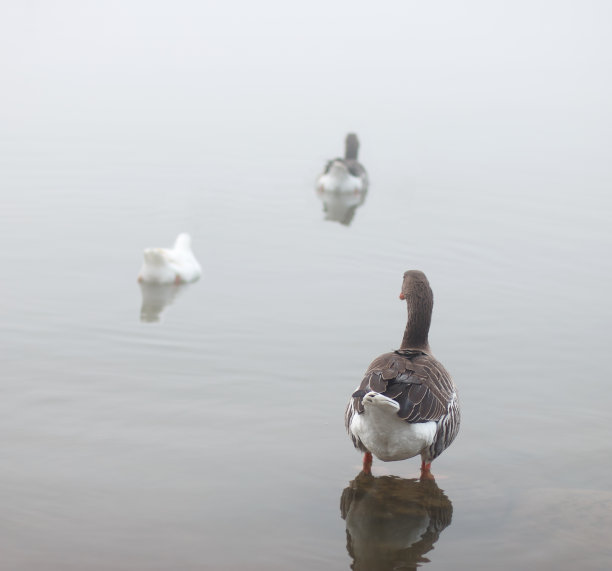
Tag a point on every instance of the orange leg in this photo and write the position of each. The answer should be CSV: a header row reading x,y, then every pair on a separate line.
x,y
367,463
426,471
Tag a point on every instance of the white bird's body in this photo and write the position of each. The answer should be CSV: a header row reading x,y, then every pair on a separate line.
x,y
385,434
176,265
339,179
345,175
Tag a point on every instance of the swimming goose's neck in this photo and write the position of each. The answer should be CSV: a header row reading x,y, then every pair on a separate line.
x,y
351,148
416,335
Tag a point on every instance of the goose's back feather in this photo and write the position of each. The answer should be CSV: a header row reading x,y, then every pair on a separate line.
x,y
420,385
354,167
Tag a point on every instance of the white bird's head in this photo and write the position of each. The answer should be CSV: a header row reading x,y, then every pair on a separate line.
x,y
154,257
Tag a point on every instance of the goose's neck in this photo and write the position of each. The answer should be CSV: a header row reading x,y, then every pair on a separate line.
x,y
416,335
351,148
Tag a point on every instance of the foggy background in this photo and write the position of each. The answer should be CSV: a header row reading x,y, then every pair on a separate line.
x,y
213,438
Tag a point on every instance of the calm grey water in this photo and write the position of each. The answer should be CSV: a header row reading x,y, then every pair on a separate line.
x,y
201,427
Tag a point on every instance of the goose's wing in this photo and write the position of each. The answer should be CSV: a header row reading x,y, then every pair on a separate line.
x,y
330,163
416,381
157,256
355,168
180,257
172,257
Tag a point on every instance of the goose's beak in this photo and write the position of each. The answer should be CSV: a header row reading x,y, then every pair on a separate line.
x,y
402,296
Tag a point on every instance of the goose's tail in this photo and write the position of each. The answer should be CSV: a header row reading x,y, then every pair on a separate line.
x,y
183,242
374,399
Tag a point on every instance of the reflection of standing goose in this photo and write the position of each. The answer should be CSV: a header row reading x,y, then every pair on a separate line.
x,y
347,174
176,265
406,403
155,297
392,522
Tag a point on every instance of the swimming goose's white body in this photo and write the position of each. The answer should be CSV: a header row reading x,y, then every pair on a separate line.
x,y
344,175
339,179
175,265
385,434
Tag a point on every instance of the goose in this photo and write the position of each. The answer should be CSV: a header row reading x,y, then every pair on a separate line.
x,y
176,265
407,403
347,174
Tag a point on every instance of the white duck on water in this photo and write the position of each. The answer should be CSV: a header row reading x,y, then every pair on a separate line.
x,y
345,175
170,265
407,403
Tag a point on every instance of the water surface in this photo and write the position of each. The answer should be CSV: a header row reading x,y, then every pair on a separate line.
x,y
202,427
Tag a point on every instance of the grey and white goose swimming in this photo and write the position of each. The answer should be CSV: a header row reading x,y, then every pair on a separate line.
x,y
345,175
407,403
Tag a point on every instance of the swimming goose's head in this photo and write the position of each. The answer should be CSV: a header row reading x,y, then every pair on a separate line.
x,y
154,257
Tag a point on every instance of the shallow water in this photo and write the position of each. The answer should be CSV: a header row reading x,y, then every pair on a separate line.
x,y
201,427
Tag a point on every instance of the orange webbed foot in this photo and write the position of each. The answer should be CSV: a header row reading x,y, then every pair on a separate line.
x,y
367,463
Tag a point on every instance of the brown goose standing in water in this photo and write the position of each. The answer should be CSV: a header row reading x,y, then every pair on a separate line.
x,y
407,402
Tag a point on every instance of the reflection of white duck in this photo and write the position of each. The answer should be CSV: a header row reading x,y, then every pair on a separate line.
x,y
155,298
347,174
163,266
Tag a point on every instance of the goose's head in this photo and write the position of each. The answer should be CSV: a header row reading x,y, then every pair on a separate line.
x,y
415,287
154,257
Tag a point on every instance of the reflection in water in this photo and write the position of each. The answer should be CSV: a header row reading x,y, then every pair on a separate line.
x,y
340,206
155,297
392,522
